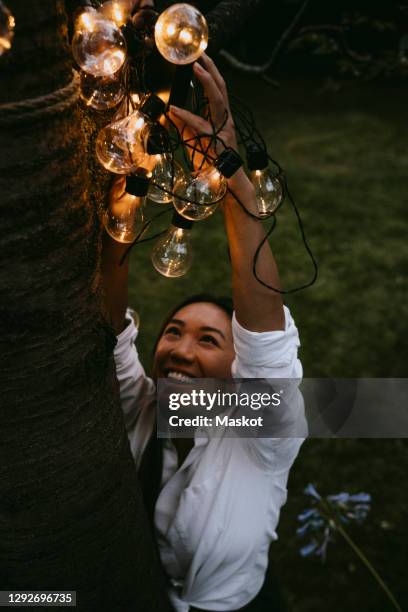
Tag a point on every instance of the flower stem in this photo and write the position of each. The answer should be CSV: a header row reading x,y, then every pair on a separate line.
x,y
368,565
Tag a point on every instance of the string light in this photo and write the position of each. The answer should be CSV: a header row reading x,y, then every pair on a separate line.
x,y
120,145
268,187
7,25
181,34
98,46
196,197
172,254
124,217
101,93
111,46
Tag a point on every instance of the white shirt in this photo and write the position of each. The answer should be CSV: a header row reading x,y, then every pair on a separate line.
x,y
216,515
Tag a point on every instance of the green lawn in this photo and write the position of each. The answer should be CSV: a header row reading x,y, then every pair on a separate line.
x,y
346,159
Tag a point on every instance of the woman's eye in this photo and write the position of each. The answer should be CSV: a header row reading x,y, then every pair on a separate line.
x,y
209,339
173,330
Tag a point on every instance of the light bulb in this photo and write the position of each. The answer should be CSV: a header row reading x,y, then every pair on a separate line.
x,y
268,186
7,25
196,197
268,189
98,46
120,145
172,254
166,173
123,219
116,10
101,93
181,34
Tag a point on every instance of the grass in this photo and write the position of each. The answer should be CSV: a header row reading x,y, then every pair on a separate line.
x,y
346,159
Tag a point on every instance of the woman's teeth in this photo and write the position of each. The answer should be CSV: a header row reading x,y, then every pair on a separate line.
x,y
179,376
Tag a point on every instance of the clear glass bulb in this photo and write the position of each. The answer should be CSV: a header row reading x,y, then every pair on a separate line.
x,y
101,93
116,10
201,193
123,219
165,174
98,46
181,34
172,254
119,146
268,189
7,25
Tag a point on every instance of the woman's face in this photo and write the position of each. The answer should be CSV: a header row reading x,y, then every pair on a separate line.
x,y
196,343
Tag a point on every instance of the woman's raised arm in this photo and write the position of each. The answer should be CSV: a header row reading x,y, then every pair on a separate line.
x,y
115,281
257,308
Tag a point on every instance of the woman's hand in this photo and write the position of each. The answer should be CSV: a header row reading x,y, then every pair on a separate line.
x,y
191,126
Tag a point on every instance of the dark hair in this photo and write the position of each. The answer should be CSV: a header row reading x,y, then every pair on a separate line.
x,y
225,303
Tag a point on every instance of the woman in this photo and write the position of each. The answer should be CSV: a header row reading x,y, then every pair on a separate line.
x,y
215,503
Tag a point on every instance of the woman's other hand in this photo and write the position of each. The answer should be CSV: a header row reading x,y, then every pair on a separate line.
x,y
192,126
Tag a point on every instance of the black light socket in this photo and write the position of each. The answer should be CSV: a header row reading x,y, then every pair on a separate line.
x,y
153,107
181,222
137,184
257,158
228,162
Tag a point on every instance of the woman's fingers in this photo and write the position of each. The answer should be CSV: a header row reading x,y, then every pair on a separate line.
x,y
216,75
215,97
195,123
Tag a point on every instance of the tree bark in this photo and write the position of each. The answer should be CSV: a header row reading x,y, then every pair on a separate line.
x,y
71,513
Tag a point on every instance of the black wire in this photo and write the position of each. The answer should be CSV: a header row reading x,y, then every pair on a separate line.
x,y
138,239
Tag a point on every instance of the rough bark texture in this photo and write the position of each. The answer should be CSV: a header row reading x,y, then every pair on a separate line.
x,y
71,514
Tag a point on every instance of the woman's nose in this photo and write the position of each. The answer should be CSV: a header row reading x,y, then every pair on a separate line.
x,y
183,350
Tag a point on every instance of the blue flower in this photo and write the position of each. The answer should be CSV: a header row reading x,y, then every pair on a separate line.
x,y
311,491
309,549
327,512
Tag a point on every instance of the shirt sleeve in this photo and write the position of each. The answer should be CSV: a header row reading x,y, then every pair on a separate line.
x,y
271,355
137,390
267,354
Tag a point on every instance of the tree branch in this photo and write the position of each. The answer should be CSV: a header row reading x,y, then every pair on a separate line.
x,y
262,68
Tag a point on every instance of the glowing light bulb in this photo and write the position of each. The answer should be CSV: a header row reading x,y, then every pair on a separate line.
x,y
7,25
166,173
172,254
196,197
98,46
181,34
116,10
269,189
120,145
101,93
124,217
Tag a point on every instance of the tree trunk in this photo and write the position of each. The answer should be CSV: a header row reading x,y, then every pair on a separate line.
x,y
71,513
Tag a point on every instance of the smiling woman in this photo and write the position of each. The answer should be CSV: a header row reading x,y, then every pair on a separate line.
x,y
214,502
